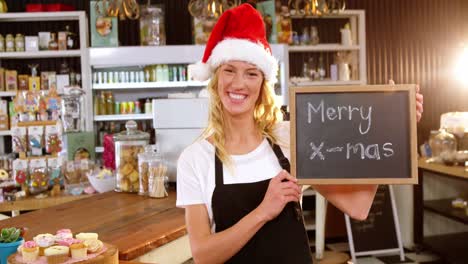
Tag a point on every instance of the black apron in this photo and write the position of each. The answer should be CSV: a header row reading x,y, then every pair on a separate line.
x,y
281,240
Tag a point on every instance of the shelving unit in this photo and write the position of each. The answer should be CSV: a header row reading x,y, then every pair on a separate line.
x,y
81,53
123,117
148,85
358,34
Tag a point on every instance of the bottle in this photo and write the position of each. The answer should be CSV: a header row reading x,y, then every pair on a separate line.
x,y
148,106
305,70
305,38
96,105
102,103
53,44
19,42
312,69
159,73
321,68
110,104
137,107
165,73
314,38
10,43
70,38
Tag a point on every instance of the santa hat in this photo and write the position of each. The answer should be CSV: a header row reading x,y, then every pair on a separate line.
x,y
240,35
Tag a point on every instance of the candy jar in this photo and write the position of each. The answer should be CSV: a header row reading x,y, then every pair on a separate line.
x,y
158,180
71,110
128,144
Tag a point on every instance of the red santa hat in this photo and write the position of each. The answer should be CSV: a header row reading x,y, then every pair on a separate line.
x,y
240,35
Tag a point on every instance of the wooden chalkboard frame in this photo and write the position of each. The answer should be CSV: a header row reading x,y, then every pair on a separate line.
x,y
409,88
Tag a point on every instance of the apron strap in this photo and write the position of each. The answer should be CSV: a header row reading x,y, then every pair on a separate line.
x,y
219,176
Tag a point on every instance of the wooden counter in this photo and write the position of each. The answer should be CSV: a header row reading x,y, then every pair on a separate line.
x,y
133,223
32,203
452,171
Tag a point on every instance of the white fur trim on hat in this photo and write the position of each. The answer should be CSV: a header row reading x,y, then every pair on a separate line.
x,y
237,49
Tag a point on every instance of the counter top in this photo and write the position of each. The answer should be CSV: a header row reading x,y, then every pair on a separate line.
x,y
133,223
454,171
32,203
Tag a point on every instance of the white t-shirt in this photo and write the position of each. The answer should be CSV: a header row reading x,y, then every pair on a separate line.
x,y
196,169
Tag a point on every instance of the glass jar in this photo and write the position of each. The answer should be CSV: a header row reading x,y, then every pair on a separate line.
x,y
10,43
444,146
128,144
19,42
152,28
144,159
2,43
71,110
158,180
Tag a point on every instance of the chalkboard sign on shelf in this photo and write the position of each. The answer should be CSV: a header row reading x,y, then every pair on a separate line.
x,y
354,134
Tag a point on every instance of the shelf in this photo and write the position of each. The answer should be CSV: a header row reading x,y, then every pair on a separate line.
x,y
309,220
7,94
444,207
123,117
40,54
452,247
325,83
341,14
40,16
322,47
99,149
5,133
147,85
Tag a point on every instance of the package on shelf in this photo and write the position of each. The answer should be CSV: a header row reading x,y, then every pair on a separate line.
x,y
4,115
19,139
75,175
54,169
2,79
13,116
20,171
37,106
48,80
53,139
62,80
38,177
79,145
36,140
31,43
11,80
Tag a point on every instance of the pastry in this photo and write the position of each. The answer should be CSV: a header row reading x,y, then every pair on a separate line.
x,y
44,241
30,251
78,250
56,254
93,245
67,241
86,236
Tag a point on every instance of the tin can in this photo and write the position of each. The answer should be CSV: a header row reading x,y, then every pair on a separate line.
x,y
142,76
117,107
137,107
174,73
182,74
116,77
95,77
99,78
130,107
127,77
122,77
171,73
123,108
104,77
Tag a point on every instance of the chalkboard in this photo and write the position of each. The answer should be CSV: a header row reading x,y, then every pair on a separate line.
x,y
354,134
380,232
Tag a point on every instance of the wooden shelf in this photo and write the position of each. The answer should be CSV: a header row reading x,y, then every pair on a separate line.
x,y
40,54
40,16
32,203
148,85
452,247
451,171
322,47
444,207
123,117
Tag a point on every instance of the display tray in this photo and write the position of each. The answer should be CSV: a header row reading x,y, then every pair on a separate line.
x,y
108,255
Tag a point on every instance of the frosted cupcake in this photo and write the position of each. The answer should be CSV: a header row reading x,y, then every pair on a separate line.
x,y
86,236
30,251
44,241
67,241
56,254
64,233
93,245
78,249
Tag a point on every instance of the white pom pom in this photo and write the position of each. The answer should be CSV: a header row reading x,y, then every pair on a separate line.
x,y
200,71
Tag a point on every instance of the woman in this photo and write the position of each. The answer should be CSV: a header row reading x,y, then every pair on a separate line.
x,y
240,203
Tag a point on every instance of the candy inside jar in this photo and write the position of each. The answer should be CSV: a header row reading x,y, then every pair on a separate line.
x,y
158,180
128,144
144,160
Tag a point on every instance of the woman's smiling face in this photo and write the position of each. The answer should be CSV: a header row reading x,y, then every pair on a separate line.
x,y
239,85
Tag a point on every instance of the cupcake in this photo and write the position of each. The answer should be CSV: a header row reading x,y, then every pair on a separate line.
x,y
78,250
30,251
63,233
44,241
93,245
56,254
67,241
86,236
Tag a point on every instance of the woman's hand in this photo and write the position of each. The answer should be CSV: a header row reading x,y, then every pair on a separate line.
x,y
283,188
419,101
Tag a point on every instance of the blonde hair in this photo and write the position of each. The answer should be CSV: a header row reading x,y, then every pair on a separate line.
x,y
266,115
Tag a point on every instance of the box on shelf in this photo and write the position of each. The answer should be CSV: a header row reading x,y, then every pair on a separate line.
x,y
62,40
11,80
2,79
79,145
3,115
34,83
31,43
104,30
62,80
23,80
44,38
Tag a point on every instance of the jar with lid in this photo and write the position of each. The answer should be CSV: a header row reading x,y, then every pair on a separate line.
x,y
19,42
10,43
152,28
128,144
443,146
144,159
71,110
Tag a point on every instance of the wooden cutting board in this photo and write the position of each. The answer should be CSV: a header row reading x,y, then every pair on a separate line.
x,y
110,256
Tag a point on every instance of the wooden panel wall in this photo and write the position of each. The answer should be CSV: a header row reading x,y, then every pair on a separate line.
x,y
412,41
